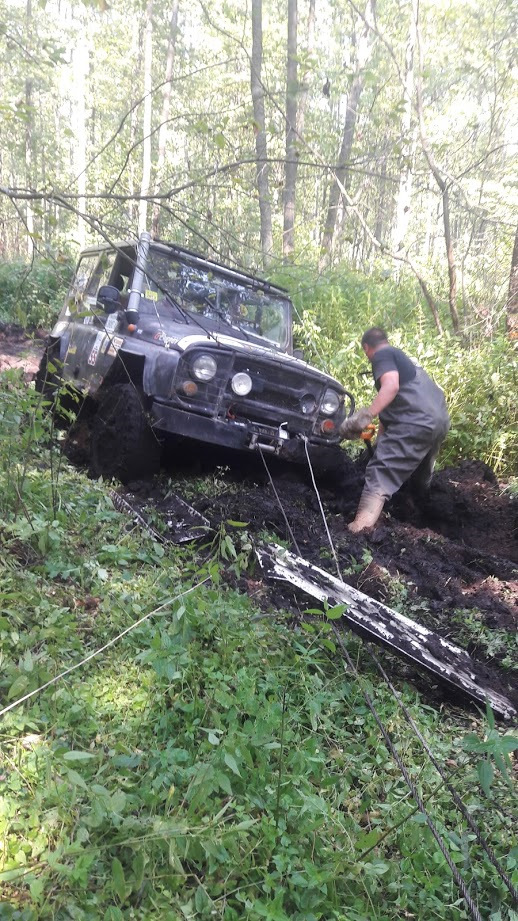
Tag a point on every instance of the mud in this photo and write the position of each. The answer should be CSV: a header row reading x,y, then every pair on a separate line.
x,y
451,564
19,350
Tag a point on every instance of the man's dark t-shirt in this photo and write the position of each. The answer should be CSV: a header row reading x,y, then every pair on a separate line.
x,y
418,402
391,359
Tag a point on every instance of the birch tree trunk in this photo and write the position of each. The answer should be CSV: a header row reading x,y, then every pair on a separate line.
x,y
163,133
146,122
29,135
363,53
261,153
80,64
303,86
511,319
290,171
404,194
443,184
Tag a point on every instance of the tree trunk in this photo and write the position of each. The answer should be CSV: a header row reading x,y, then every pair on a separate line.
x,y
382,203
146,123
512,300
444,188
363,53
166,107
404,195
29,136
262,170
80,62
303,86
290,171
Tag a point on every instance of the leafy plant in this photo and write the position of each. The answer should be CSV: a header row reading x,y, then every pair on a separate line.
x,y
32,295
208,764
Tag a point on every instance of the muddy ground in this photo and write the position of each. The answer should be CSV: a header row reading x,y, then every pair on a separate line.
x,y
453,564
18,350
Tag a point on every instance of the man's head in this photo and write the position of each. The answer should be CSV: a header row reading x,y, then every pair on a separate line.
x,y
372,339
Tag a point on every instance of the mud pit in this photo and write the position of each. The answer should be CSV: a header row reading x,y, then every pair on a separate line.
x,y
452,566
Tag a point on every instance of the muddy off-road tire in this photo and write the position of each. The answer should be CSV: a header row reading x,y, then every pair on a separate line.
x,y
64,402
123,445
47,380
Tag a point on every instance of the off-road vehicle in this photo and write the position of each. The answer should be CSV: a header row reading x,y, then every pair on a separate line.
x,y
163,342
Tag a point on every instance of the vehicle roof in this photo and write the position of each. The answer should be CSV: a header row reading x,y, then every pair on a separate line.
x,y
195,259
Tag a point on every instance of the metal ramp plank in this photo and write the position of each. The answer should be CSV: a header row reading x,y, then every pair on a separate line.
x,y
382,624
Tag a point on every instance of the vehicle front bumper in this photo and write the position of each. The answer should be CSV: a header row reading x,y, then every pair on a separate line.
x,y
242,436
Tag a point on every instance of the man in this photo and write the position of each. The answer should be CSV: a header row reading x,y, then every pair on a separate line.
x,y
413,424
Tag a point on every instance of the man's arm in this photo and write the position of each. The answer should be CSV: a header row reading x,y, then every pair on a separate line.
x,y
388,390
353,426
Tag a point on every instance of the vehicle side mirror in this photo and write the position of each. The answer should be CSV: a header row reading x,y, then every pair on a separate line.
x,y
298,353
109,298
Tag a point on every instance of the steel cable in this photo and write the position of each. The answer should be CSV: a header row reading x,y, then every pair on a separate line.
x,y
463,889
272,484
455,796
470,904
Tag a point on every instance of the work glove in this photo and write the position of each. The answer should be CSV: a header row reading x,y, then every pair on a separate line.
x,y
355,424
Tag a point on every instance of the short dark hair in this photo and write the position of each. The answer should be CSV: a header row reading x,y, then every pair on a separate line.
x,y
374,336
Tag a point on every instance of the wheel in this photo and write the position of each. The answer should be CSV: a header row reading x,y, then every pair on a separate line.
x,y
48,380
64,400
123,444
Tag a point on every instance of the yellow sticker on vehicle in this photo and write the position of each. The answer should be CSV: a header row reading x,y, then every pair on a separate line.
x,y
151,295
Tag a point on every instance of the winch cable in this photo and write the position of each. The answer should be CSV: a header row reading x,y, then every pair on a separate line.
x,y
456,799
470,905
272,484
97,652
324,519
451,789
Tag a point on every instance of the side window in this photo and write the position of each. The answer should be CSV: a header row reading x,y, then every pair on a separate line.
x,y
101,274
92,272
82,279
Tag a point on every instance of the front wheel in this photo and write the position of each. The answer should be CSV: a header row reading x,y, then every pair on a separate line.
x,y
60,397
123,444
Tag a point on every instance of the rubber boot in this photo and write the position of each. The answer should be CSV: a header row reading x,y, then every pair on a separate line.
x,y
368,512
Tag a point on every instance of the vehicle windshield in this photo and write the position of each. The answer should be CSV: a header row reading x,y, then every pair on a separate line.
x,y
209,295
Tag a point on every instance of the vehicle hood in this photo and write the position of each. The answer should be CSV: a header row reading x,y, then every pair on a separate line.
x,y
183,339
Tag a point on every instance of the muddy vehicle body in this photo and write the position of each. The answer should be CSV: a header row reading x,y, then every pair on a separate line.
x,y
164,342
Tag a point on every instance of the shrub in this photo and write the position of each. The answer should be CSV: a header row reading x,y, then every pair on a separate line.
x,y
32,294
479,379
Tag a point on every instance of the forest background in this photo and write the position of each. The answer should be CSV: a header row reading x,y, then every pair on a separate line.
x,y
362,154
217,763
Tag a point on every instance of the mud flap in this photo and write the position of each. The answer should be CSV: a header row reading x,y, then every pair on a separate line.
x,y
377,622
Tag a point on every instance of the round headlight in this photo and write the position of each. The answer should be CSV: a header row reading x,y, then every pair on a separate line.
x,y
330,403
307,404
204,367
241,384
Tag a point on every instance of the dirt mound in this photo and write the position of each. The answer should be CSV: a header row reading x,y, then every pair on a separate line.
x,y
467,506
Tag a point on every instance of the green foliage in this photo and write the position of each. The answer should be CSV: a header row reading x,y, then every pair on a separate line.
x,y
32,295
480,379
209,765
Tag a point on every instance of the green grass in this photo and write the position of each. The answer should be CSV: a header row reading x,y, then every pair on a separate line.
x,y
208,765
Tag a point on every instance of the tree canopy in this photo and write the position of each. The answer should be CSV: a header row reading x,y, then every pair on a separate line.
x,y
324,132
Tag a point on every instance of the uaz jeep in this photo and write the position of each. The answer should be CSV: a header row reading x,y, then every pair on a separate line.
x,y
164,342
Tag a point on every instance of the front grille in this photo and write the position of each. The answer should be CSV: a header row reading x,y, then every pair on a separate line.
x,y
276,397
277,392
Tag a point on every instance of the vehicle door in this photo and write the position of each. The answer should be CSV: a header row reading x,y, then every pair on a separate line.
x,y
93,332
